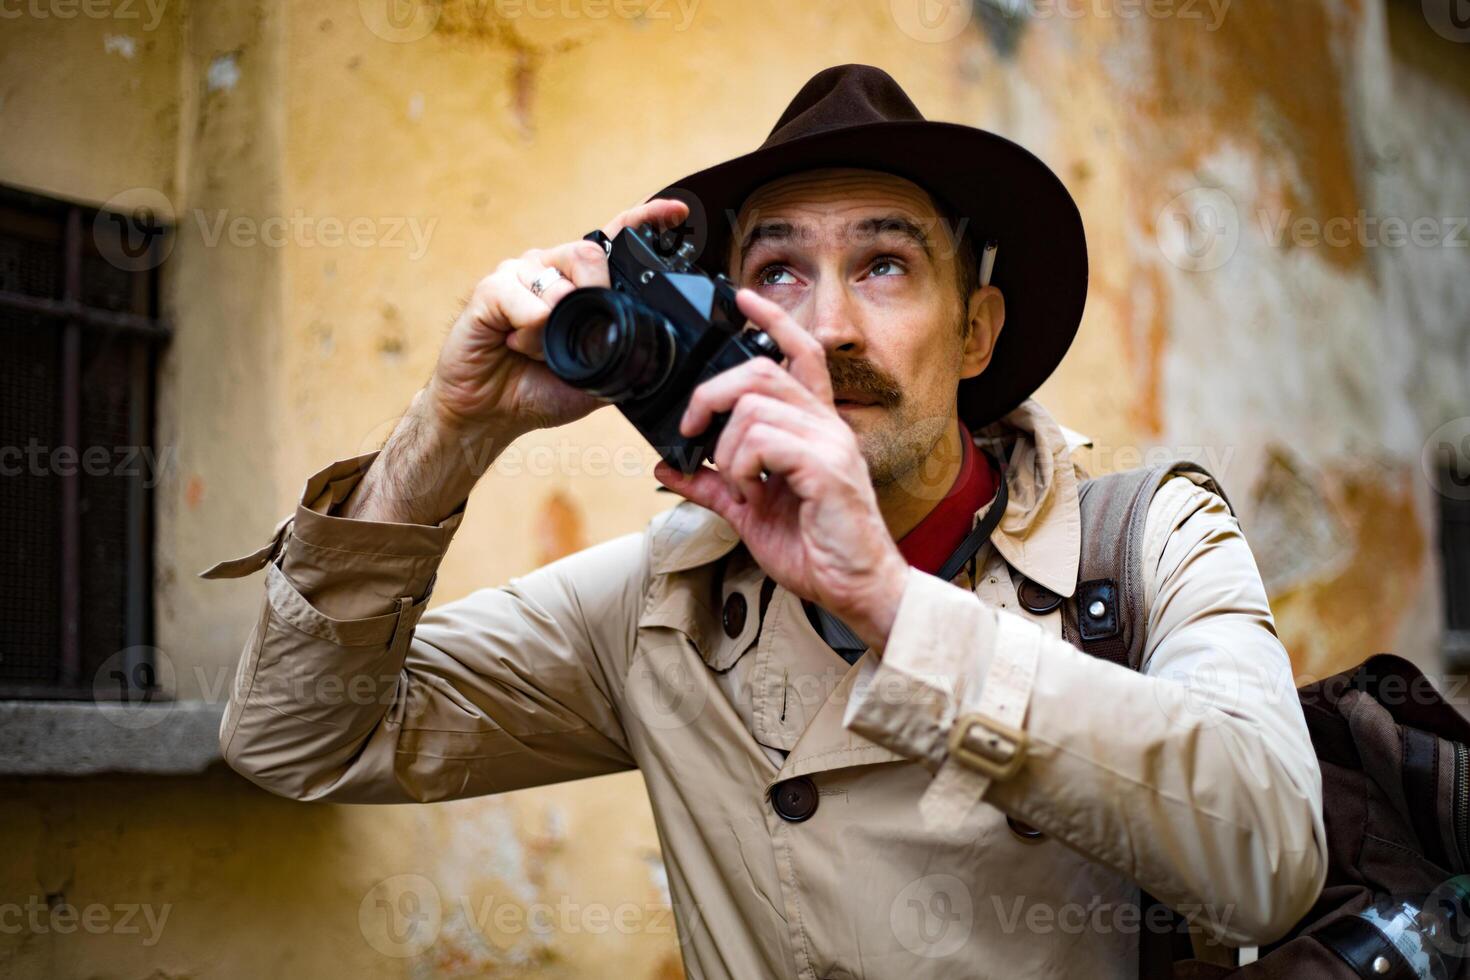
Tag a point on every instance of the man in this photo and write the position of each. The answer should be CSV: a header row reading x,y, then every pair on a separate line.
x,y
776,654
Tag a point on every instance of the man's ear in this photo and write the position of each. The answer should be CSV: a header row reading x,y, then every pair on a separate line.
x,y
985,316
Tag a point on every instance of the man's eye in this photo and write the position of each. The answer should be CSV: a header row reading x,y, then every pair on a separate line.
x,y
772,275
886,266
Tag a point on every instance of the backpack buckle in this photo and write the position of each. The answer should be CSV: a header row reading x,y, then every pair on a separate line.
x,y
1097,610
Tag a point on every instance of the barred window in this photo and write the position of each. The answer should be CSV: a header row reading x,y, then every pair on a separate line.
x,y
80,336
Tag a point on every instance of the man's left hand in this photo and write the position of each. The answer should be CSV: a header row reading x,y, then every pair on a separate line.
x,y
812,523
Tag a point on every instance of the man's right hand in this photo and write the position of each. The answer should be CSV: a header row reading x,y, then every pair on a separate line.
x,y
491,373
490,384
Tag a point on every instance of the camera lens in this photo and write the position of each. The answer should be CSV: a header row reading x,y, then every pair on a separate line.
x,y
609,344
594,341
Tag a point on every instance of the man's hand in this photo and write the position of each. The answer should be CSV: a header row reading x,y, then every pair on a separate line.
x,y
490,384
491,371
812,522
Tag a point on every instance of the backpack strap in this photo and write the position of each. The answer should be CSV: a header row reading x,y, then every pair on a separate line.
x,y
1105,618
1106,615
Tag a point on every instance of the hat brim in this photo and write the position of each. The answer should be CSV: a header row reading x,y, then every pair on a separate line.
x,y
1002,190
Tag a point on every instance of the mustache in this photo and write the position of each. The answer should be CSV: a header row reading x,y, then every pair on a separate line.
x,y
860,376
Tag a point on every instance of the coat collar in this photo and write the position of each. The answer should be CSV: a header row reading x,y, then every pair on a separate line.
x,y
1040,534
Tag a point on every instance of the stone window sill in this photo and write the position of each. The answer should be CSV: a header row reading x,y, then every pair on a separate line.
x,y
79,738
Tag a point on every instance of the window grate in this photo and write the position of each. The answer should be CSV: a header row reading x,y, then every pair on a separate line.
x,y
29,267
30,519
106,404
76,431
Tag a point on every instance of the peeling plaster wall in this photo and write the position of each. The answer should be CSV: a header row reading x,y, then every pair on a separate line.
x,y
1307,376
219,398
1340,358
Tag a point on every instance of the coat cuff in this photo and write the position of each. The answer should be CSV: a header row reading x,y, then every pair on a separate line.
x,y
951,692
349,569
933,666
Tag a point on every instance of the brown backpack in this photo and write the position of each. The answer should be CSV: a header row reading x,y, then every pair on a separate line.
x,y
1395,759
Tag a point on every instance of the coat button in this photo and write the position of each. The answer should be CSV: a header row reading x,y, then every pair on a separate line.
x,y
1037,599
795,799
1024,831
733,616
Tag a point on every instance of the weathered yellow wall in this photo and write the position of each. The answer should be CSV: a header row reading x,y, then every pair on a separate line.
x,y
1311,369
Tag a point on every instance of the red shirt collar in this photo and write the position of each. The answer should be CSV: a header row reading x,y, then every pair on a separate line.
x,y
935,537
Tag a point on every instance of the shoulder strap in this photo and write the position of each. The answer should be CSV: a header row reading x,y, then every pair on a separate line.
x,y
1106,617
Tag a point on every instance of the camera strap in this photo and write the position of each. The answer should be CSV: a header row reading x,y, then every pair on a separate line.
x,y
840,637
982,531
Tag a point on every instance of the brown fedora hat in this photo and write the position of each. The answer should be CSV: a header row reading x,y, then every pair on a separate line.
x,y
858,116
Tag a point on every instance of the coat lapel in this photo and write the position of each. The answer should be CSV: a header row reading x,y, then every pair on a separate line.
x,y
1041,533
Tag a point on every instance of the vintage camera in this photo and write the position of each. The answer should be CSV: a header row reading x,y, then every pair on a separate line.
x,y
646,344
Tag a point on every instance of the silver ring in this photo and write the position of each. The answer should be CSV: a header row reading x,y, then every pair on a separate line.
x,y
543,282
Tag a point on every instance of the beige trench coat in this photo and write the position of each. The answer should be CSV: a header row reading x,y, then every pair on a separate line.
x,y
1194,778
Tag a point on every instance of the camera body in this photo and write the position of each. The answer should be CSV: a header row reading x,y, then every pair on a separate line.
x,y
646,343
